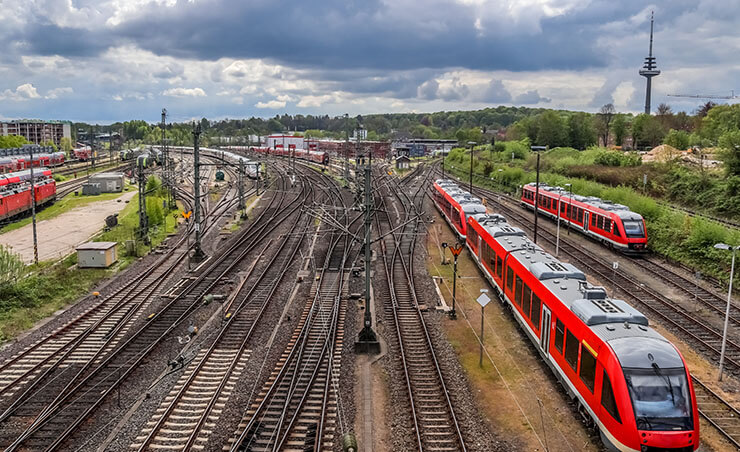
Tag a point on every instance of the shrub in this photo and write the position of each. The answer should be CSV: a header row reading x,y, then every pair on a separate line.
x,y
154,210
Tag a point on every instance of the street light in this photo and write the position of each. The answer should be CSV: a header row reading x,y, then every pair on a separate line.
x,y
570,204
537,188
471,144
724,246
557,236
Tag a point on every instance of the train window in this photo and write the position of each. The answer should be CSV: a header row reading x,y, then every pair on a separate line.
x,y
499,266
559,335
593,220
616,230
509,278
563,207
518,292
526,297
608,225
580,215
536,311
607,398
571,350
600,222
588,368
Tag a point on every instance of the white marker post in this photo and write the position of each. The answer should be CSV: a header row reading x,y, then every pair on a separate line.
x,y
482,300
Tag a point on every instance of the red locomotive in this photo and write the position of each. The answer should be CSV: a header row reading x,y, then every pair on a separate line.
x,y
613,224
627,379
456,204
15,191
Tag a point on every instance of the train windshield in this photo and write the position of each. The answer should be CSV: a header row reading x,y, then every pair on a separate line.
x,y
634,229
660,397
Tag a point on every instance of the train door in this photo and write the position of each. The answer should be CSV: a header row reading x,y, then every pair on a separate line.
x,y
545,329
585,220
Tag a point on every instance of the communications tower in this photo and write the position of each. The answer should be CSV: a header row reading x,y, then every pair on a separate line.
x,y
649,69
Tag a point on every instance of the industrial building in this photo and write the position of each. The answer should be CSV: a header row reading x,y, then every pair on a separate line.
x,y
37,131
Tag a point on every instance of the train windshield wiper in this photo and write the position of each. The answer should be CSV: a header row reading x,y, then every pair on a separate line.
x,y
646,421
667,380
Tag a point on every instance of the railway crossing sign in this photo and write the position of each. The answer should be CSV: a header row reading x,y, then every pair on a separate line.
x,y
483,300
187,214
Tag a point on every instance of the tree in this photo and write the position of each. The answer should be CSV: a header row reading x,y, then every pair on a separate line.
x,y
606,115
729,142
552,130
66,145
664,110
619,127
582,130
679,139
704,109
647,131
12,141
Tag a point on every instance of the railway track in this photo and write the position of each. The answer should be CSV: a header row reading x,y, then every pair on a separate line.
x,y
434,420
62,408
299,406
706,338
96,331
188,416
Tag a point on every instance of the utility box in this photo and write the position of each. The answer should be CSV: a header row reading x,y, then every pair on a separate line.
x,y
97,254
109,182
90,189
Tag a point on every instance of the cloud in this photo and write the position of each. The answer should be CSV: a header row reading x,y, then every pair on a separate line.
x,y
495,92
184,92
57,92
23,92
530,97
273,104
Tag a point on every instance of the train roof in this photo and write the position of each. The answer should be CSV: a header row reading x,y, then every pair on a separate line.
x,y
621,210
469,203
613,320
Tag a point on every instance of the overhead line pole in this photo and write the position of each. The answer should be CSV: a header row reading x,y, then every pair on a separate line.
x,y
198,254
33,213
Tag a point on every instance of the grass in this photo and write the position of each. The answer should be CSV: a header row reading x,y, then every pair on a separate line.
x,y
52,286
59,207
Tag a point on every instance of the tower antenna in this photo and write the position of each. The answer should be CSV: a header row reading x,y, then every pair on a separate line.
x,y
649,69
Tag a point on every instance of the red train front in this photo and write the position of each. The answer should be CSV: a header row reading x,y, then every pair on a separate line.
x,y
612,224
626,378
15,191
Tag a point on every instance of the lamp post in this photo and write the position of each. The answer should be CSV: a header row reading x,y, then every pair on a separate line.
x,y
557,235
570,204
724,246
537,188
471,144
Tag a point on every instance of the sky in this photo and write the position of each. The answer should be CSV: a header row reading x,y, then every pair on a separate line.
x,y
112,60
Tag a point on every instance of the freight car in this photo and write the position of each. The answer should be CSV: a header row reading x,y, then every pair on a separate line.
x,y
612,224
15,191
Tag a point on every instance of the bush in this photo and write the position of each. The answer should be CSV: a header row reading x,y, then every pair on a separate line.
x,y
12,267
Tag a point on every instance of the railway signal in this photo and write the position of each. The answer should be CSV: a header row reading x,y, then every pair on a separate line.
x,y
456,250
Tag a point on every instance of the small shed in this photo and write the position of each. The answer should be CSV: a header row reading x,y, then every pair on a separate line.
x,y
403,162
109,182
97,254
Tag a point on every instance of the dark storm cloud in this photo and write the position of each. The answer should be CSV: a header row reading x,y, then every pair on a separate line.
x,y
50,39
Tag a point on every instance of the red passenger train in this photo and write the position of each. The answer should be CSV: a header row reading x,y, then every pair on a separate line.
x,y
456,204
320,157
613,224
628,380
15,191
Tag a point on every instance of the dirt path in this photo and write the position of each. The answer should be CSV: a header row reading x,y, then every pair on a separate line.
x,y
59,236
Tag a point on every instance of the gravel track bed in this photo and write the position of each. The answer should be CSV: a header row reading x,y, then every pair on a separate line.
x,y
475,429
